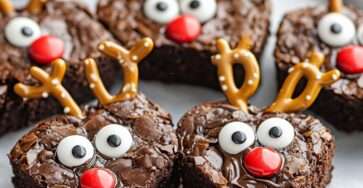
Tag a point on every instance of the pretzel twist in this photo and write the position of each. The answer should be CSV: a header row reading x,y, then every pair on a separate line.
x,y
35,6
51,85
225,60
316,80
6,7
336,5
129,63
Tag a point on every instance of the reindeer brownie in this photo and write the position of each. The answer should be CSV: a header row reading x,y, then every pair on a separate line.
x,y
36,35
337,32
232,144
184,32
127,141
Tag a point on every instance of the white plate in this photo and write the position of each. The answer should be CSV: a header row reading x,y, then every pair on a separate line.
x,y
178,99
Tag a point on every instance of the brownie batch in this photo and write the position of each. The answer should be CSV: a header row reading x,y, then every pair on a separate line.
x,y
57,55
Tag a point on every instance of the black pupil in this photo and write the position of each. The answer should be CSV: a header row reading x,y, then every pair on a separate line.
x,y
336,28
27,31
275,132
162,6
238,137
194,4
79,152
114,141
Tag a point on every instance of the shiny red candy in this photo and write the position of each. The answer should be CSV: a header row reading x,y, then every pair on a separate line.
x,y
350,59
263,162
98,178
46,49
183,29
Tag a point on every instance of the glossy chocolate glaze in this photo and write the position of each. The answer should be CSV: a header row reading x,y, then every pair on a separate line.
x,y
307,161
147,164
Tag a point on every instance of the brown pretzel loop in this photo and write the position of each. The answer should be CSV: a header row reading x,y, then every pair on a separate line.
x,y
225,60
316,80
51,85
129,63
336,5
6,7
36,6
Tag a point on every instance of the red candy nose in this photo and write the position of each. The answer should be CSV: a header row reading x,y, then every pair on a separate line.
x,y
263,162
183,29
350,59
98,178
46,49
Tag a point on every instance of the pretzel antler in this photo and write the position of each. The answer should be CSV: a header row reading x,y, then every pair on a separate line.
x,y
35,6
225,60
128,61
6,7
316,80
51,85
335,5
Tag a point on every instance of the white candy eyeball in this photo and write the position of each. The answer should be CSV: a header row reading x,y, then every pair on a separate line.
x,y
236,137
203,10
75,151
113,140
336,29
22,31
276,133
161,11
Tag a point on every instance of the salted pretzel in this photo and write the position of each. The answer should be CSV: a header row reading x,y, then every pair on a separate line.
x,y
33,6
336,5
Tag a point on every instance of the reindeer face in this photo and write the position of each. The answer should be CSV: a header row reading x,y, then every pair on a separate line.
x,y
45,31
256,149
130,143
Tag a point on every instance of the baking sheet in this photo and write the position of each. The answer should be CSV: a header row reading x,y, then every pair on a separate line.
x,y
178,99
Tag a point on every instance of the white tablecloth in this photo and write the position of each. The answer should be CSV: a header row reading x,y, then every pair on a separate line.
x,y
177,99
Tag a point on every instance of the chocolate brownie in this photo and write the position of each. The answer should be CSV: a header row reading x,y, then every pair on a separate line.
x,y
37,35
306,162
128,144
319,28
184,33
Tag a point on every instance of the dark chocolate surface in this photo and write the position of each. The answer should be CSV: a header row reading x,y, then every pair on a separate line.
x,y
342,102
308,160
72,23
147,164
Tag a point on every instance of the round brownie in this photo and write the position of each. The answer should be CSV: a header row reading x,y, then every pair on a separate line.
x,y
218,148
184,33
62,29
308,29
128,144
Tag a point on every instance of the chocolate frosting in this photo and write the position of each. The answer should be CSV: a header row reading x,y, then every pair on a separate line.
x,y
308,160
148,163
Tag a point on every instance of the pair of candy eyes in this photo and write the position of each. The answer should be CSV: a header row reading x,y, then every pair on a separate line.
x,y
336,29
112,141
275,133
164,11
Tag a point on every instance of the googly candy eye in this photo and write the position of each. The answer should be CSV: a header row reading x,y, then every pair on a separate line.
x,y
21,31
113,140
161,11
203,10
74,151
236,137
336,29
276,133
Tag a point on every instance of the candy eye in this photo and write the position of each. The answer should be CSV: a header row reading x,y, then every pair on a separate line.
x,y
75,151
161,11
113,140
236,137
276,133
203,10
336,29
21,31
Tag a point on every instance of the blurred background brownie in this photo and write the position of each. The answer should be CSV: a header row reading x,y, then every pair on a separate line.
x,y
336,31
185,32
36,35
